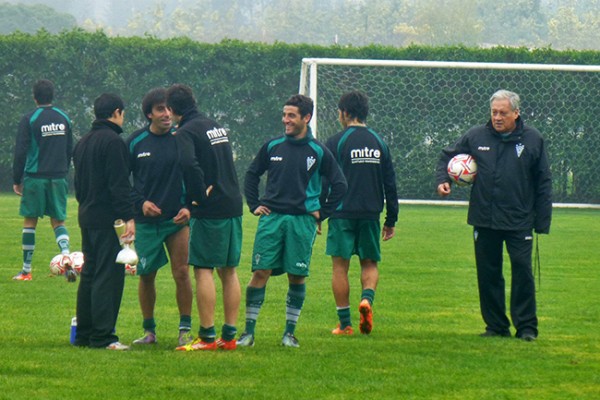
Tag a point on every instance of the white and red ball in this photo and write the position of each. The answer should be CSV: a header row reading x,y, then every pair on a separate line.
x,y
57,264
78,261
130,269
462,169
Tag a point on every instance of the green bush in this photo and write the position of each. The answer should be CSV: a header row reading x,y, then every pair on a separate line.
x,y
242,85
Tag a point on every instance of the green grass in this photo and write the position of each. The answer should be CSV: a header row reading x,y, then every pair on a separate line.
x,y
424,344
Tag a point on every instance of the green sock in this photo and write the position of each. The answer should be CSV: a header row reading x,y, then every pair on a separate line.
x,y
149,325
344,316
185,322
208,335
28,240
255,298
295,301
228,332
62,238
368,294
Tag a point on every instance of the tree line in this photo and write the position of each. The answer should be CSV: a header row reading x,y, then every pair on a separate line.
x,y
558,24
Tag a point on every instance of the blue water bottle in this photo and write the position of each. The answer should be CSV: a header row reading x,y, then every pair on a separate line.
x,y
73,330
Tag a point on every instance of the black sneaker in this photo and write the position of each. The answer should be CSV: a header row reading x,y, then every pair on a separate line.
x,y
490,333
527,336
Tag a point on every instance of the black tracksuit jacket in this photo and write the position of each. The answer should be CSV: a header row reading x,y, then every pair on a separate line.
x,y
513,187
367,165
207,159
157,174
295,170
44,145
102,185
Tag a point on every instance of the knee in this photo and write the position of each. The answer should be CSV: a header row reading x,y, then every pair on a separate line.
x,y
181,274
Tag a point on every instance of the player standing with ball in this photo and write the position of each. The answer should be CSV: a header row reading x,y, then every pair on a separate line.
x,y
42,158
354,227
511,197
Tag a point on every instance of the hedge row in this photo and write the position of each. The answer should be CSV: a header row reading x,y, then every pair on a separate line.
x,y
242,85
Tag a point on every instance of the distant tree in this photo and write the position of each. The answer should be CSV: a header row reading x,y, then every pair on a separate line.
x,y
30,19
433,22
575,27
513,23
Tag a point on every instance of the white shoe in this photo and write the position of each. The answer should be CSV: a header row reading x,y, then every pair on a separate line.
x,y
117,346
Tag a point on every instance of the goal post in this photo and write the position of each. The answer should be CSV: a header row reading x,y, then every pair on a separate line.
x,y
421,106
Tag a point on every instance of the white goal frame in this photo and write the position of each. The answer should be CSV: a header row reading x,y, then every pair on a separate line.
x,y
309,86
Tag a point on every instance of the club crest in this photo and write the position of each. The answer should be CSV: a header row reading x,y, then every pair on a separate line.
x,y
519,147
310,161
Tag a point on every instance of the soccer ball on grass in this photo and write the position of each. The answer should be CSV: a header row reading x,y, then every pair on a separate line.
x,y
57,266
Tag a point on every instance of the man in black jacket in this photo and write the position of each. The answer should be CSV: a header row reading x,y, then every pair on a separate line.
x,y
161,218
103,191
354,227
216,225
511,196
289,211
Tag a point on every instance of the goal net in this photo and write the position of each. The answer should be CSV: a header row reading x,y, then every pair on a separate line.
x,y
419,107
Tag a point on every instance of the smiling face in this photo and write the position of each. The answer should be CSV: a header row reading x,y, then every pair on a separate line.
x,y
504,118
160,119
295,125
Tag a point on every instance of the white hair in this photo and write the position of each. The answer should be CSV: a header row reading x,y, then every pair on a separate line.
x,y
512,97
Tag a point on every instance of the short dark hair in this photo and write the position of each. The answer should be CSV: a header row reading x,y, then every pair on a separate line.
x,y
43,91
356,104
180,98
153,97
106,104
304,103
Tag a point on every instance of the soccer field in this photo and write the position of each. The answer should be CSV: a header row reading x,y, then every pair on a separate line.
x,y
424,344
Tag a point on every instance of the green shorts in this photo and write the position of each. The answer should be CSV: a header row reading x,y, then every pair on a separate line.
x,y
150,239
44,197
346,237
283,243
215,243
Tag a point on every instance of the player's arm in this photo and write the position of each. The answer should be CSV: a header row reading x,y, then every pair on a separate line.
x,y
193,174
388,232
325,186
182,217
20,154
147,208
337,182
390,191
252,179
543,193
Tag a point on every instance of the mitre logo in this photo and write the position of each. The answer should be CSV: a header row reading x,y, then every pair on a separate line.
x,y
366,155
53,130
217,135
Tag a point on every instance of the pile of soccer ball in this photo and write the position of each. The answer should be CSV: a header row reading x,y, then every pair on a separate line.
x,y
57,264
462,169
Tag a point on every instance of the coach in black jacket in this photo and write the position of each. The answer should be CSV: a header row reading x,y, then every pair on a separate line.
x,y
103,192
511,196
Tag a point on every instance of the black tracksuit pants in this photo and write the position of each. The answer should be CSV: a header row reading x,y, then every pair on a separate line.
x,y
100,288
488,257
